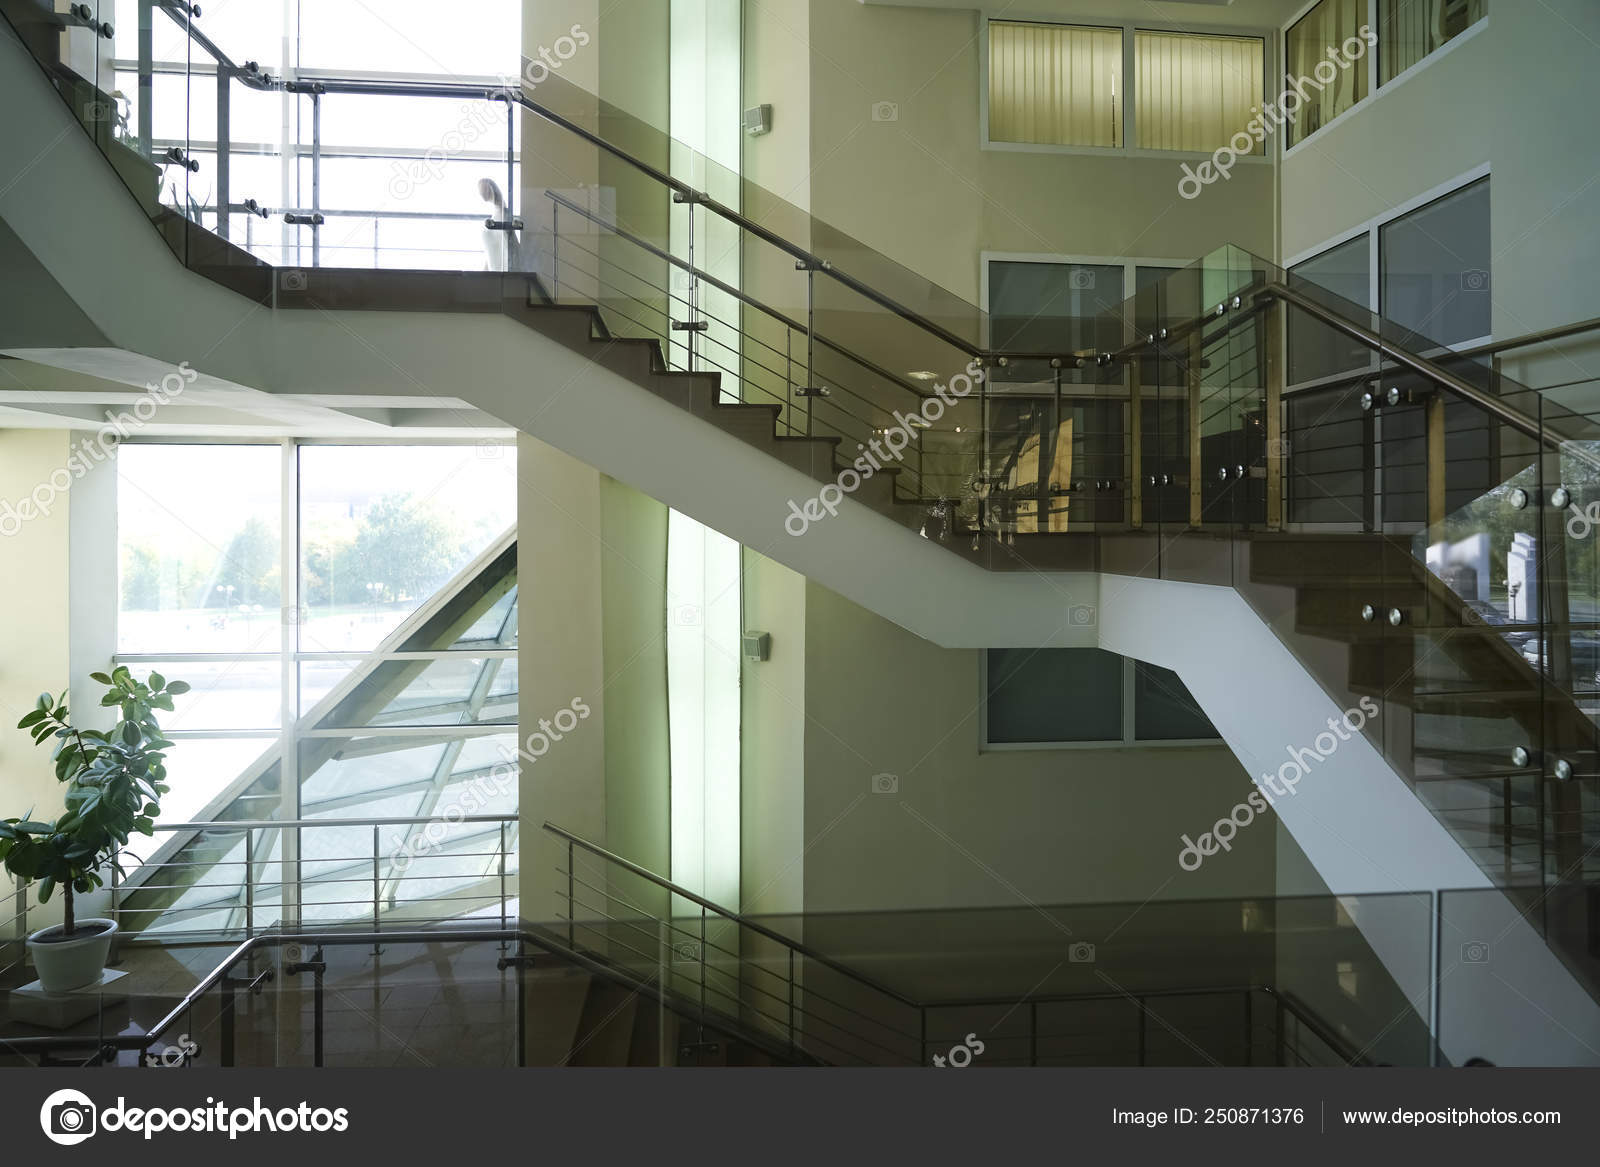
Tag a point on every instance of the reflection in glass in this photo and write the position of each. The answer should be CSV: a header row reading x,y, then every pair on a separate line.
x,y
1408,30
1333,25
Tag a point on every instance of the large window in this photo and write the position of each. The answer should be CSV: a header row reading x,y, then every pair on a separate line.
x,y
1064,85
1084,696
380,691
1408,30
1055,84
1434,267
1196,92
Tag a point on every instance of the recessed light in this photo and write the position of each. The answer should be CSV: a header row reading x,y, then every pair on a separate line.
x,y
923,375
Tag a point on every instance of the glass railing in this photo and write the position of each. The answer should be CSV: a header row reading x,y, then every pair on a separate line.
x,y
430,998
1268,981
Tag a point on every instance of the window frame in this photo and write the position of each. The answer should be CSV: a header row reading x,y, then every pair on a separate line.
x,y
287,736
1373,228
1374,89
1130,274
1271,44
1128,740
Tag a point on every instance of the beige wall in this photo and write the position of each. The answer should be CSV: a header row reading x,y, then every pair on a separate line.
x,y
34,597
969,828
591,612
922,191
772,748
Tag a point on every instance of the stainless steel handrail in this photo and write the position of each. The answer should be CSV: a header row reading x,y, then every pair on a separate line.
x,y
1497,407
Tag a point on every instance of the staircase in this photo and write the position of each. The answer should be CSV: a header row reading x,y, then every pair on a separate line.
x,y
1443,582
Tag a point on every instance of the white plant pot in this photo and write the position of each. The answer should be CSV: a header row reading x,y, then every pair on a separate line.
x,y
64,965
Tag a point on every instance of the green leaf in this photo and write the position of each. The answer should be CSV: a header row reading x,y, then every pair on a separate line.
x,y
45,701
157,681
30,719
178,688
47,885
131,734
33,828
103,678
144,826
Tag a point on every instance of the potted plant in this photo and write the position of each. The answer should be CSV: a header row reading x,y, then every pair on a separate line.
x,y
115,781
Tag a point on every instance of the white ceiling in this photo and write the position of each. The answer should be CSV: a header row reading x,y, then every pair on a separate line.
x,y
82,388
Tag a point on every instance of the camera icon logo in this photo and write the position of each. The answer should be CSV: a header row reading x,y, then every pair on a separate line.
x,y
885,111
490,450
292,280
68,1117
1081,953
1474,280
687,615
1475,952
686,952
1081,615
97,111
1081,279
886,784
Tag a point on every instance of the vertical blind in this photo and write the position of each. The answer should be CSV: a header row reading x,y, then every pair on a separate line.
x,y
1325,27
1195,92
1055,84
1411,29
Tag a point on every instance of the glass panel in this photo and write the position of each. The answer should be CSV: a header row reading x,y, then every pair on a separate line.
x,y
1042,695
199,770
1411,29
1055,84
1198,92
1315,350
230,694
1434,266
385,527
1325,70
199,546
1163,708
459,690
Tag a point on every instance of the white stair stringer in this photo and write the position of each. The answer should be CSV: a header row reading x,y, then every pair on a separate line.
x,y
1361,826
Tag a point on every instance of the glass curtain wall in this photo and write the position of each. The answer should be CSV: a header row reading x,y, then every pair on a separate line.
x,y
364,666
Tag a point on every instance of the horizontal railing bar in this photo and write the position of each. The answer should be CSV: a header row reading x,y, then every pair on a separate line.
x,y
280,824
728,289
758,929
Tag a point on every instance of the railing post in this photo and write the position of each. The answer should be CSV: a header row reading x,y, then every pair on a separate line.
x,y
1275,321
502,880
792,1042
1434,413
1196,468
572,911
225,1055
377,886
1135,444
224,134
249,883
702,967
